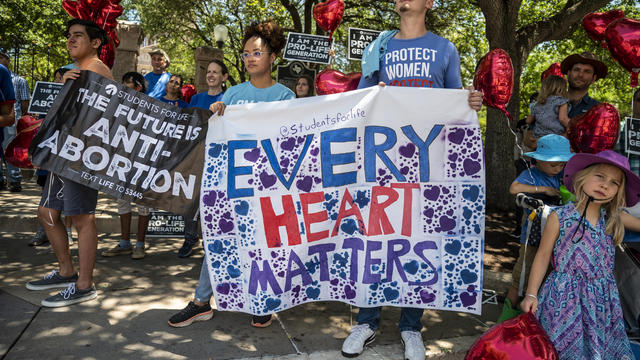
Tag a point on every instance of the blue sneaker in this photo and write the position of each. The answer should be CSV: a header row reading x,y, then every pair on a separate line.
x,y
187,248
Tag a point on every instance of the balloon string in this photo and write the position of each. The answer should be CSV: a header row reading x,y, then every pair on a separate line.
x,y
520,149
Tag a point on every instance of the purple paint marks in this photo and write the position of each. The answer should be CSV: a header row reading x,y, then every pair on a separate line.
x,y
288,144
223,288
252,155
468,299
471,167
209,198
407,150
225,225
305,184
314,151
432,194
457,136
427,297
349,292
267,180
446,224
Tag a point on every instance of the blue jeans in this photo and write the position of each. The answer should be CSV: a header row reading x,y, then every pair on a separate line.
x,y
409,318
14,174
204,291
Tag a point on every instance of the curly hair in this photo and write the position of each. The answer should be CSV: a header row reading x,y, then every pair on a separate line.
x,y
270,32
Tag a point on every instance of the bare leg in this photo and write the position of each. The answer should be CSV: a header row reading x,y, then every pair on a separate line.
x,y
143,223
512,295
57,235
125,226
87,247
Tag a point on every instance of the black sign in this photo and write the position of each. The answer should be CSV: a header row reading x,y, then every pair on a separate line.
x,y
358,41
289,74
43,95
305,47
108,137
632,135
162,223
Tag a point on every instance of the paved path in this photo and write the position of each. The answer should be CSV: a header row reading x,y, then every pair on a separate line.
x,y
137,297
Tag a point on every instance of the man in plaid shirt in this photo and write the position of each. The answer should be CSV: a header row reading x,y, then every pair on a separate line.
x,y
21,91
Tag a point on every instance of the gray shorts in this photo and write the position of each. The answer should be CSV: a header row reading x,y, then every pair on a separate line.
x,y
65,195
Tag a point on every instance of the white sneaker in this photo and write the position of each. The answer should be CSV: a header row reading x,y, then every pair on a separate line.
x,y
361,335
413,345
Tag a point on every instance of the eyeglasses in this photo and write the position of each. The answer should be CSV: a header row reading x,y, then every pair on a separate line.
x,y
257,54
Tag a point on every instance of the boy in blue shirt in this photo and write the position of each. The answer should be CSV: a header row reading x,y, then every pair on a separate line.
x,y
552,154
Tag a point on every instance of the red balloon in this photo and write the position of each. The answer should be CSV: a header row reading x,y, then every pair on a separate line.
x,y
71,7
596,23
17,152
188,91
623,39
330,81
494,77
328,15
596,130
553,69
108,54
520,338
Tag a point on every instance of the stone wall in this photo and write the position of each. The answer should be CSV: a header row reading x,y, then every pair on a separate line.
x,y
130,35
202,56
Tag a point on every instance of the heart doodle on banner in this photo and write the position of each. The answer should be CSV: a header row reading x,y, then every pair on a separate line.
x,y
596,130
623,40
521,338
328,15
553,69
330,81
494,77
596,23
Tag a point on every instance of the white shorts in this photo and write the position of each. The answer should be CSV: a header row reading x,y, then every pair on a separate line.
x,y
125,207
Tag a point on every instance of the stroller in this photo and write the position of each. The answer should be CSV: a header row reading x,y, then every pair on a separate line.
x,y
540,206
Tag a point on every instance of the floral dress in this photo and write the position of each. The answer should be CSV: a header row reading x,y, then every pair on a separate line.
x,y
579,302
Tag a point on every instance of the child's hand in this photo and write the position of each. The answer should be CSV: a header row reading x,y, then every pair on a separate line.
x,y
529,304
548,190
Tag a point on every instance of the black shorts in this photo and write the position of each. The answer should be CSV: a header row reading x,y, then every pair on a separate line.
x,y
65,195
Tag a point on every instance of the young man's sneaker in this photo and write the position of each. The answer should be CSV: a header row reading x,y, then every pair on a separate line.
x,y
187,248
138,253
261,321
413,345
117,250
69,296
190,314
361,336
51,281
69,237
40,238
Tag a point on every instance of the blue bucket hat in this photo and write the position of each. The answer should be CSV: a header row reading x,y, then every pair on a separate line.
x,y
552,147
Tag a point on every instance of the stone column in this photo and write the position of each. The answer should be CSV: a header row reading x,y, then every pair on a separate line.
x,y
202,56
130,35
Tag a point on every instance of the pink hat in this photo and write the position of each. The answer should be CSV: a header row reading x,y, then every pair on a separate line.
x,y
584,160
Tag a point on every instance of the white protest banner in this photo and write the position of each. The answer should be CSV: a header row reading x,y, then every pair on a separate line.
x,y
371,197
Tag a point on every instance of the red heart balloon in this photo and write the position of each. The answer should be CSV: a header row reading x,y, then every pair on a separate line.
x,y
108,54
330,81
553,69
188,91
71,7
17,152
521,338
596,23
623,39
328,15
596,130
494,77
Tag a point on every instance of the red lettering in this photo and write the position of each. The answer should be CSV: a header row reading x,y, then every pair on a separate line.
x,y
408,205
273,222
377,215
310,218
344,213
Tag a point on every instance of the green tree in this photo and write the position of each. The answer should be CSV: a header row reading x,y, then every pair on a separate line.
x,y
33,29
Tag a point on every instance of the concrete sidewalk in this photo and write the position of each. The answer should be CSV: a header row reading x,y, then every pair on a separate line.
x,y
137,297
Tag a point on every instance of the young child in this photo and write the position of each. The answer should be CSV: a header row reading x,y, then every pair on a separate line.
x,y
552,154
579,305
551,109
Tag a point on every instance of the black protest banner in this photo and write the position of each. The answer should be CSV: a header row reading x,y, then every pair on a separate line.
x,y
359,39
124,143
164,224
305,47
632,135
44,93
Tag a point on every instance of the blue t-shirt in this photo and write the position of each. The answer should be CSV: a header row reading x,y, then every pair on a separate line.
x,y
427,61
582,106
246,93
179,103
535,178
203,100
7,96
157,84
